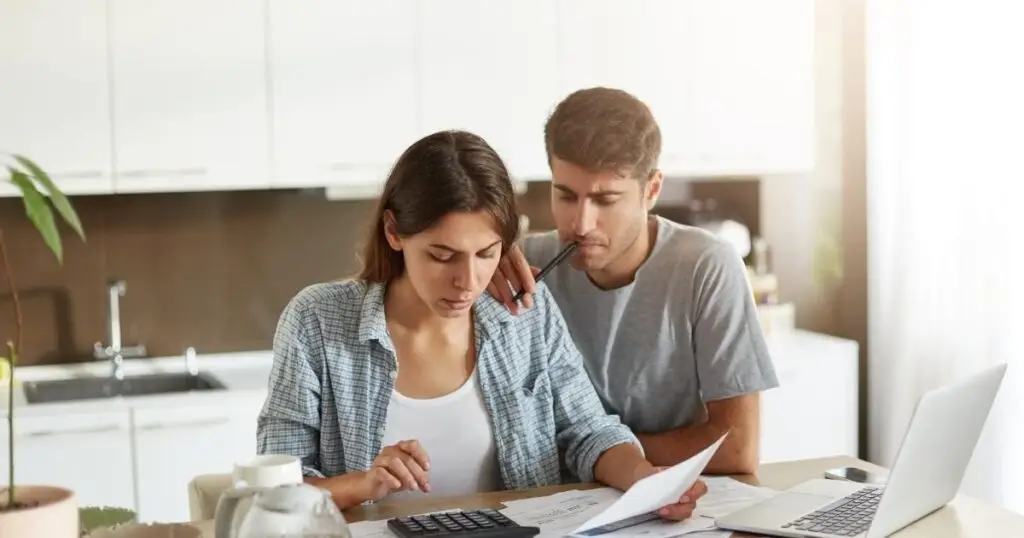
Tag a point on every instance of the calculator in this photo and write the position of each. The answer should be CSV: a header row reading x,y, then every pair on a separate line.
x,y
485,523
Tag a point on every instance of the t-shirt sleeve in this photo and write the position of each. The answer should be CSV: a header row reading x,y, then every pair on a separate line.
x,y
729,347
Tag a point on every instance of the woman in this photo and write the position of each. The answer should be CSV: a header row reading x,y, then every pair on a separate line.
x,y
406,380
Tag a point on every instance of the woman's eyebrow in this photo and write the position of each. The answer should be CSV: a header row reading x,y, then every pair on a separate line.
x,y
453,250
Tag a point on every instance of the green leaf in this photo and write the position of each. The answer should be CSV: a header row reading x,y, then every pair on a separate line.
x,y
56,196
39,212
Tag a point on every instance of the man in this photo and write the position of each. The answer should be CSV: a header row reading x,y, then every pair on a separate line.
x,y
662,312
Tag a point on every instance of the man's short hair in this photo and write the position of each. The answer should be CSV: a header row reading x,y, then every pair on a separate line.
x,y
604,129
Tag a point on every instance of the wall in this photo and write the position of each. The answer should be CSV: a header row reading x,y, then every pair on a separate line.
x,y
211,270
817,223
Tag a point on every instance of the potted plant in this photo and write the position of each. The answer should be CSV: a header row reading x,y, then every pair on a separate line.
x,y
34,510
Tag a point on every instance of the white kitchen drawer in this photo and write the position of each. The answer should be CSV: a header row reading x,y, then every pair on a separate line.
x,y
174,444
89,453
814,412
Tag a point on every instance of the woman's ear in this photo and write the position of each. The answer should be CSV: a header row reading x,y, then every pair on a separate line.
x,y
390,231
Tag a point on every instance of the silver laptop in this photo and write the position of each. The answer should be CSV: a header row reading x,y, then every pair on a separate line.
x,y
926,475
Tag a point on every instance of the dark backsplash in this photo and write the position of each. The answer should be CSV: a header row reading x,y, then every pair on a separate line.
x,y
210,270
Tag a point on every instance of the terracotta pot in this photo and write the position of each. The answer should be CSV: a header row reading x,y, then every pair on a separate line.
x,y
54,514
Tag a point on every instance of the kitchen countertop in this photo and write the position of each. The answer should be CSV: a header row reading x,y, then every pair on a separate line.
x,y
244,375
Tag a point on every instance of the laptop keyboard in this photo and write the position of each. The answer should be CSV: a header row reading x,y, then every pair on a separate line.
x,y
848,516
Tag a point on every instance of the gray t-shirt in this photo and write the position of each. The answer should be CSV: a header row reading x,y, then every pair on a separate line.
x,y
683,333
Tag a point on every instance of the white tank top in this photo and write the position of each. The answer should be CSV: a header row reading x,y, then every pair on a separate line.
x,y
456,432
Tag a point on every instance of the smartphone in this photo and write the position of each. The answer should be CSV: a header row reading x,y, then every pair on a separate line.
x,y
853,474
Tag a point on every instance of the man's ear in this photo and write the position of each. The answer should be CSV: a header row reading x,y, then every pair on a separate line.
x,y
653,189
390,231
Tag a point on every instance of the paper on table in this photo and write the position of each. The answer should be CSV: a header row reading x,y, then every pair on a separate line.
x,y
653,492
726,495
660,528
371,529
557,515
520,504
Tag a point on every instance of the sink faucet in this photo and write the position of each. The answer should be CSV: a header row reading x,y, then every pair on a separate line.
x,y
114,352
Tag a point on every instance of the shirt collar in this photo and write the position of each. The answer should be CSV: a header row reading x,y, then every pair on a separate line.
x,y
491,315
372,325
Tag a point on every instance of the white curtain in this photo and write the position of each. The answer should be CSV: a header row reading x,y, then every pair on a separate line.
x,y
945,150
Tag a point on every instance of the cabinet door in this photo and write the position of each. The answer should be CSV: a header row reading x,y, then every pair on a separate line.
x,y
190,100
752,85
814,369
173,445
54,98
90,454
344,89
634,46
491,68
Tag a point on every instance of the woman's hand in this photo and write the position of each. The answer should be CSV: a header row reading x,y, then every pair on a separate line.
x,y
406,465
374,485
399,467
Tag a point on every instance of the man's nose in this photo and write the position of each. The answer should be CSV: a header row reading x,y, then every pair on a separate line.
x,y
586,219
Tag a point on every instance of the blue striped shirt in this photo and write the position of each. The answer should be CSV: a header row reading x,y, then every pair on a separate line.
x,y
334,372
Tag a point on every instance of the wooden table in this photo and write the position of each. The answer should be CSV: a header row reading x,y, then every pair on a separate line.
x,y
965,517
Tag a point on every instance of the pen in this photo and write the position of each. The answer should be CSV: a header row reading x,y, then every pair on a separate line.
x,y
547,268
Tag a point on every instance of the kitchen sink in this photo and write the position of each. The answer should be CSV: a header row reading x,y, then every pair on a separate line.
x,y
92,388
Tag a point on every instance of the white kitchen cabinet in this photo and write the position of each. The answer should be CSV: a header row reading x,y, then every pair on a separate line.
x,y
88,453
751,71
491,68
814,412
730,82
54,100
344,89
174,444
189,95
638,47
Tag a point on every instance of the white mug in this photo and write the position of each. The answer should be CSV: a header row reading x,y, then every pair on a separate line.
x,y
267,471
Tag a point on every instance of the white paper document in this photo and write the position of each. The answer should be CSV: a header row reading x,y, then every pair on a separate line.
x,y
660,528
371,529
646,496
557,515
726,495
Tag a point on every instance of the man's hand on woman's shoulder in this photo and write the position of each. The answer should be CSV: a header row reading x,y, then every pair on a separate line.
x,y
514,273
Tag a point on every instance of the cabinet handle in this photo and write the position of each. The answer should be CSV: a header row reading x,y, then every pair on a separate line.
x,y
190,424
177,172
83,431
87,174
340,167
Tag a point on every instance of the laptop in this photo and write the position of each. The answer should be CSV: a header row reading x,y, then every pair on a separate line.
x,y
929,467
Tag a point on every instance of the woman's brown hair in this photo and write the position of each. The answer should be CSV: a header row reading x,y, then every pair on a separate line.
x,y
445,172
